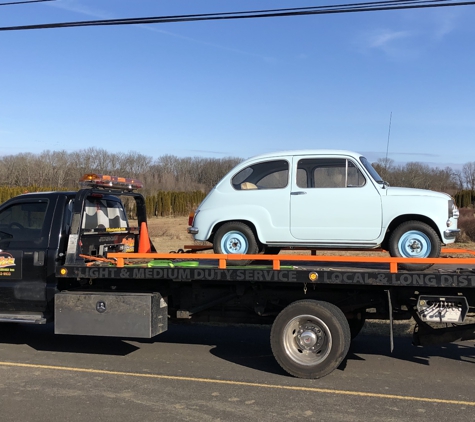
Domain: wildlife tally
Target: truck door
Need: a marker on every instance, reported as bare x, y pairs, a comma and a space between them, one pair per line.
24, 234
332, 201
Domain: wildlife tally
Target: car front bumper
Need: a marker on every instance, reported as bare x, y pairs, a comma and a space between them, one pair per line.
451, 233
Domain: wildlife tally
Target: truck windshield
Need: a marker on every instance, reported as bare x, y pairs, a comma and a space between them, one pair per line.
374, 174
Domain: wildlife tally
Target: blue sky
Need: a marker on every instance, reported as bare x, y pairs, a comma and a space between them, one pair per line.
240, 87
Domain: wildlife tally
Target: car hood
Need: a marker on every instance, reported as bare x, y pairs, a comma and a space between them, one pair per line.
395, 191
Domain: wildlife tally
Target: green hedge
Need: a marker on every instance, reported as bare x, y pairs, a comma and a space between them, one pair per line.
465, 198
166, 203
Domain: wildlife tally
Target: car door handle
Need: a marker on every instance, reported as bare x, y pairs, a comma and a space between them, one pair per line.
298, 193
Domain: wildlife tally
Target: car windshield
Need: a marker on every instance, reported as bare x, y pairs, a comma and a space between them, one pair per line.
374, 174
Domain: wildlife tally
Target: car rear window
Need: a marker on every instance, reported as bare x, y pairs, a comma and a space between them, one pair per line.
264, 175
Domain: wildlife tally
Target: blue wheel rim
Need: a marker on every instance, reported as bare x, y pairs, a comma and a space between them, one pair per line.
414, 244
234, 242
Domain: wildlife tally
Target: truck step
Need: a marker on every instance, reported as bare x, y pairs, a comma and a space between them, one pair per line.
23, 318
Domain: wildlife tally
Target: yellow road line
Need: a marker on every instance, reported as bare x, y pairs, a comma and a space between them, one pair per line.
241, 383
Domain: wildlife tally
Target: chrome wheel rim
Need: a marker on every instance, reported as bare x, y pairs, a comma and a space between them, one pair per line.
307, 340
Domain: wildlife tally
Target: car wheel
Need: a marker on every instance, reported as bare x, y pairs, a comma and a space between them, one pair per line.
235, 237
414, 239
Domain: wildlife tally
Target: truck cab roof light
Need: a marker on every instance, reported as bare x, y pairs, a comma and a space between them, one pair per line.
93, 180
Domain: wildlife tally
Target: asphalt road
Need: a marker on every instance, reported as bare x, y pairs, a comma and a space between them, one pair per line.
218, 373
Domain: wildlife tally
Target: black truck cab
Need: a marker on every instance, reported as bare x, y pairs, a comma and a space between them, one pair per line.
30, 237
39, 230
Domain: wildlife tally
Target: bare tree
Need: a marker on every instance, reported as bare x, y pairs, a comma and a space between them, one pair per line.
458, 179
468, 172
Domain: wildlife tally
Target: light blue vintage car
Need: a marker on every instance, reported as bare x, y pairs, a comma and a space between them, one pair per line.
321, 199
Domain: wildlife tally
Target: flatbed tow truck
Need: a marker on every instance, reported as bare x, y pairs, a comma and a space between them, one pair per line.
93, 274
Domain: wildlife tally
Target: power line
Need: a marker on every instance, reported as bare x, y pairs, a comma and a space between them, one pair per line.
12, 3
318, 10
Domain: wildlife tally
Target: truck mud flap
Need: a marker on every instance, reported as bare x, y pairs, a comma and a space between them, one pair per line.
139, 315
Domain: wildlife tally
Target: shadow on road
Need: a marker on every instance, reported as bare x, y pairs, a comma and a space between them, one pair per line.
404, 349
247, 346
42, 338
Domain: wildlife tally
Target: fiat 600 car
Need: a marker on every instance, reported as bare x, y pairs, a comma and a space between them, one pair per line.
321, 199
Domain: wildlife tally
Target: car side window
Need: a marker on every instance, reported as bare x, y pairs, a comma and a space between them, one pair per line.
355, 177
328, 173
23, 221
265, 175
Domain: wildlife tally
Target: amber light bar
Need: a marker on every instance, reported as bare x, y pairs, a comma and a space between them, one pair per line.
105, 181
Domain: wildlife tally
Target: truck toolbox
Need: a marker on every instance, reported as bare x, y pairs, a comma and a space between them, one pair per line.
142, 315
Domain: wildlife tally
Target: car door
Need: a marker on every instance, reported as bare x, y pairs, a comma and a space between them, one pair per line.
333, 201
23, 252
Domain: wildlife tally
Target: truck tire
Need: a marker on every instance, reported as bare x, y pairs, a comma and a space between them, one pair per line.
235, 237
310, 338
414, 239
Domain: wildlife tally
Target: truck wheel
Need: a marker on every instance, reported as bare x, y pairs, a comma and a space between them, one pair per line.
310, 338
414, 239
235, 237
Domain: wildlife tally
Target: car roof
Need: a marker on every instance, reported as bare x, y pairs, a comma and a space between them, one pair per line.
291, 153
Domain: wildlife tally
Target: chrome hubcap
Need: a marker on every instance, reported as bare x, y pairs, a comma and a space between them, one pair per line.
307, 340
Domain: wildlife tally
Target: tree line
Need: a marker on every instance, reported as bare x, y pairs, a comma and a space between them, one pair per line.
60, 170
423, 176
